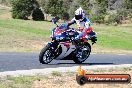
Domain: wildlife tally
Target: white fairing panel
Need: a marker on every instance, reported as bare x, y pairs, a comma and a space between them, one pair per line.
65, 51
71, 49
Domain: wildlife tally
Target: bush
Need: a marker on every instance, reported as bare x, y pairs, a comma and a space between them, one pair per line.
22, 9
37, 15
113, 19
65, 16
97, 19
118, 17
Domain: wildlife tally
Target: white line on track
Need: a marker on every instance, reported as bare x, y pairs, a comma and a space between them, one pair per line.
106, 53
121, 54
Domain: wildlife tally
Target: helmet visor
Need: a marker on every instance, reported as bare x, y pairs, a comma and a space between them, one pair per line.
77, 17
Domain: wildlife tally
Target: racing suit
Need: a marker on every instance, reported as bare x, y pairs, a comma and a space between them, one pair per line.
84, 27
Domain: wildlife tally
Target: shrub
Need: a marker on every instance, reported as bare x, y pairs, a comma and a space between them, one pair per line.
97, 19
22, 9
118, 17
37, 15
65, 16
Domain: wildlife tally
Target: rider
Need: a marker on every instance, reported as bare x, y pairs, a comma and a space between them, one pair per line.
83, 24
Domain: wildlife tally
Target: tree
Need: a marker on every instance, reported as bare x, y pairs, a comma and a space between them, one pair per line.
128, 4
57, 8
37, 15
74, 5
22, 9
66, 7
65, 16
86, 5
102, 9
53, 7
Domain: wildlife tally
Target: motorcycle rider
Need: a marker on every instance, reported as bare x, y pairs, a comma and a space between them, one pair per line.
84, 25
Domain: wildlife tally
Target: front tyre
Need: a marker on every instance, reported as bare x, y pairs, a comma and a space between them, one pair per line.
46, 55
82, 53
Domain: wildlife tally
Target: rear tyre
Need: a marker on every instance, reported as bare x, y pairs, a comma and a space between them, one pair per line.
46, 55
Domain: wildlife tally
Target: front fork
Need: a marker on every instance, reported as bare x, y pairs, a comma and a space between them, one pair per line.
54, 46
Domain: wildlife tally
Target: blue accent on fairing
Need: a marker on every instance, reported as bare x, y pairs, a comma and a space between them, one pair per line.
59, 36
81, 34
53, 30
92, 33
49, 43
86, 20
63, 26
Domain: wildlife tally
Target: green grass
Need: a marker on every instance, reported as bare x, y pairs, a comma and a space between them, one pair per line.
41, 29
19, 82
20, 34
116, 37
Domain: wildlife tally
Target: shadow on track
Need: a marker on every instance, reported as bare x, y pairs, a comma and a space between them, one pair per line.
82, 64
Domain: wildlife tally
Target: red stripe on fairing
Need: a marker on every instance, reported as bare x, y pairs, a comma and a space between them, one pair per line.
66, 44
88, 31
57, 32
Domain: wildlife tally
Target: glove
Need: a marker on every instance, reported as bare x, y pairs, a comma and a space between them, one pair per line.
77, 38
94, 39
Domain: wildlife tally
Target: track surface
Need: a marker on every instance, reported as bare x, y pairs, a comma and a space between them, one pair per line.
27, 61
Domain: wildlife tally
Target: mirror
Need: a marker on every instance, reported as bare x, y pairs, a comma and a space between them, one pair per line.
54, 20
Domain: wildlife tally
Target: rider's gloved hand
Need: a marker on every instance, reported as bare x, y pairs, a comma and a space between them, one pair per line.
94, 39
77, 38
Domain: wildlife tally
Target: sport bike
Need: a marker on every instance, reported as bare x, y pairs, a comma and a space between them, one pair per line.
64, 46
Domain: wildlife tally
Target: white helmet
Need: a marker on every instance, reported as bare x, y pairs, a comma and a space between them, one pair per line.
79, 14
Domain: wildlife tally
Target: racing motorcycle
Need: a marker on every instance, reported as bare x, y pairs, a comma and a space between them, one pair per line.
64, 46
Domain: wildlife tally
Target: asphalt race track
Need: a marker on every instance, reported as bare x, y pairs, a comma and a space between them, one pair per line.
27, 61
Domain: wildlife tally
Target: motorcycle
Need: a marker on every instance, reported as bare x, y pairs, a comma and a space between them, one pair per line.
64, 47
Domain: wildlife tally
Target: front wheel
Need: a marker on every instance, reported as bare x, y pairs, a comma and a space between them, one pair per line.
82, 53
46, 55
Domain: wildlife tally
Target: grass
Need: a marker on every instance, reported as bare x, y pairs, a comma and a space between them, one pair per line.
30, 36
23, 35
19, 82
67, 79
20, 35
116, 37
56, 73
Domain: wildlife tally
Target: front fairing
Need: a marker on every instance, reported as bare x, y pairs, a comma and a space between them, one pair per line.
56, 32
62, 35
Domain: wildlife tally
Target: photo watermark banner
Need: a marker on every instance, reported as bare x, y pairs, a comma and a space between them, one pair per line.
83, 78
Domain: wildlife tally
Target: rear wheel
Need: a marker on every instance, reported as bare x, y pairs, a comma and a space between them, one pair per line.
82, 53
46, 55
